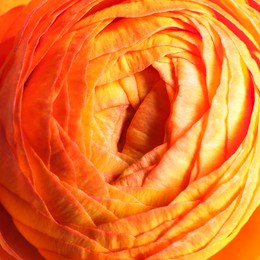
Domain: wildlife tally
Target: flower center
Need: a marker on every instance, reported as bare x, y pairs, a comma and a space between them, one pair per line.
131, 113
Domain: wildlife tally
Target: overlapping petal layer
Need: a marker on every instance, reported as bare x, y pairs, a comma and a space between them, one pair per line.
129, 129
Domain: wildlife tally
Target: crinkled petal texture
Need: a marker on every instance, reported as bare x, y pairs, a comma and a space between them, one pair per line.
130, 130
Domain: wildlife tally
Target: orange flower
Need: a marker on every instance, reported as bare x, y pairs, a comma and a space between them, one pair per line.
130, 129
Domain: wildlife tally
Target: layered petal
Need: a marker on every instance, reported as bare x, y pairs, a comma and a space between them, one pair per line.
129, 129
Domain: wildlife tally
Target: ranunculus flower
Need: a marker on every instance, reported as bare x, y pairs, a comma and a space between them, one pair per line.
130, 129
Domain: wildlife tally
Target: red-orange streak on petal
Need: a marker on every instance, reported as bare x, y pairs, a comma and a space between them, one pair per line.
14, 245
8, 31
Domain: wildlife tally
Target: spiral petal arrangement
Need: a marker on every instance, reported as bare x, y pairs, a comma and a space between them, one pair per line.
129, 129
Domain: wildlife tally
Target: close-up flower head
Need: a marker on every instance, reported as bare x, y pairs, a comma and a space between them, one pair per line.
129, 129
